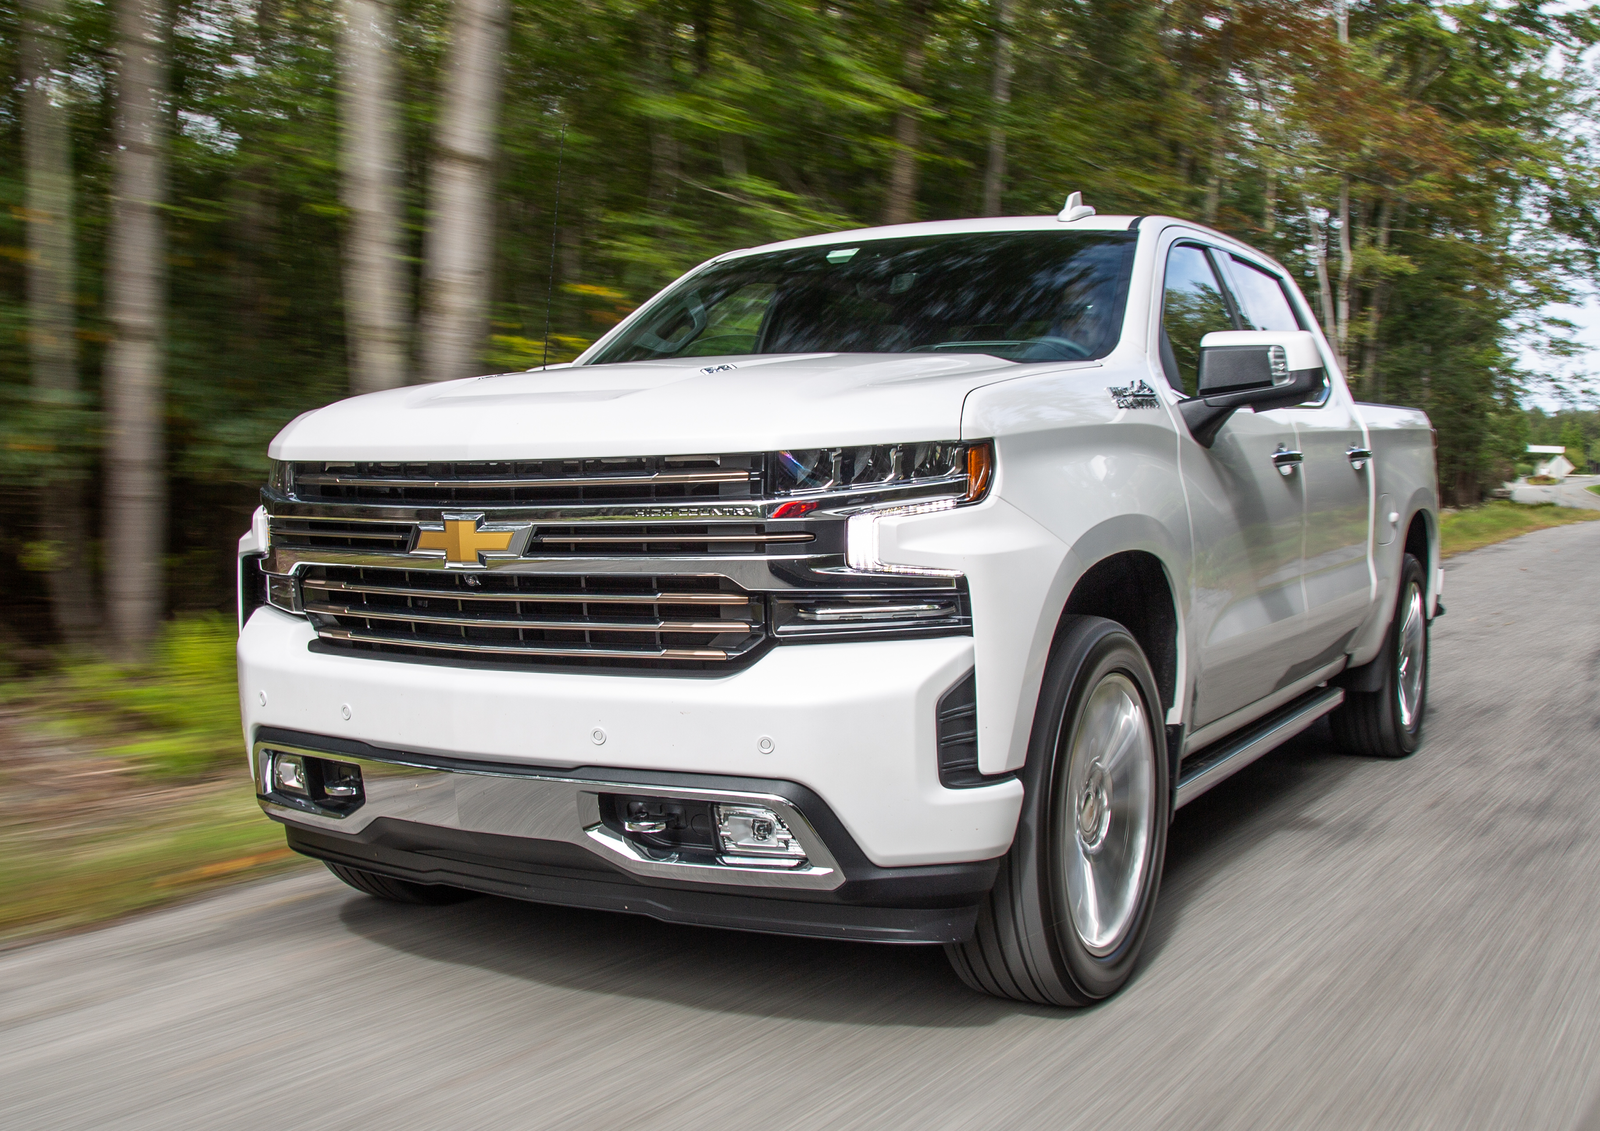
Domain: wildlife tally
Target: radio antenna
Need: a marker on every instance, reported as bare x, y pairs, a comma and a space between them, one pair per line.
550, 287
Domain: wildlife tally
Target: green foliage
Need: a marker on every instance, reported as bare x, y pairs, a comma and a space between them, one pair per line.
179, 711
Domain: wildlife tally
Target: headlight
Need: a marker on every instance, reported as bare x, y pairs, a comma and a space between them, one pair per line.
280, 477
947, 469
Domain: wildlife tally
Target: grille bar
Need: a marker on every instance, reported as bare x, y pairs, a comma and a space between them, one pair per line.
579, 651
606, 481
648, 480
672, 620
651, 540
574, 597
428, 618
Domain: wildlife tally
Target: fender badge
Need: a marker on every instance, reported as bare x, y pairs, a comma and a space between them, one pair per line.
723, 368
1136, 395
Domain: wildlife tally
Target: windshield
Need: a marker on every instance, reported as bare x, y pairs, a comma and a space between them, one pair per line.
1023, 296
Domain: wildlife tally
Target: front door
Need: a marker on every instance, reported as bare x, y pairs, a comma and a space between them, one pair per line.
1334, 479
1247, 608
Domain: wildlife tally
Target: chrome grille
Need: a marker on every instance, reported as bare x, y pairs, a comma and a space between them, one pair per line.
645, 479
657, 538
675, 621
360, 535
590, 540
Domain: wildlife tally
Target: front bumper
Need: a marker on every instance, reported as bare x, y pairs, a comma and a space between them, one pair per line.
838, 737
539, 835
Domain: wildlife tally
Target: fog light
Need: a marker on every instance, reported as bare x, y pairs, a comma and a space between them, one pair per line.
289, 775
750, 833
341, 781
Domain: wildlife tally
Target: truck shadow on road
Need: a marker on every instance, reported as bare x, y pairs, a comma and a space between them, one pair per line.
1267, 799
807, 979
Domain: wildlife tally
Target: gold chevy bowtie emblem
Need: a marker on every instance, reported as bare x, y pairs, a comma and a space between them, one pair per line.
462, 541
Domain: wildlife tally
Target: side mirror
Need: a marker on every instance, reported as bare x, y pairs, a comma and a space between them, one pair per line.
1263, 369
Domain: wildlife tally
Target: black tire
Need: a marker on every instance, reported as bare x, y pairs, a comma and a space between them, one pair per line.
398, 891
1374, 724
1027, 945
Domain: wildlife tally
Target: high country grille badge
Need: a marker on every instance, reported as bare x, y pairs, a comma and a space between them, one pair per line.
1136, 395
464, 540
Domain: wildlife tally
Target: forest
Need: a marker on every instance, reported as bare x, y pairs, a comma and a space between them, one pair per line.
222, 213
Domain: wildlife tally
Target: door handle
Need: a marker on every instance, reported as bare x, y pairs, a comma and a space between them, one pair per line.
1358, 457
1286, 461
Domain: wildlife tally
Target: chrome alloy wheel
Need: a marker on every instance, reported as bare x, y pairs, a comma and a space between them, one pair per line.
1412, 661
1105, 816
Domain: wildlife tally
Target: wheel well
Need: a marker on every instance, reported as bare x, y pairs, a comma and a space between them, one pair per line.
1417, 540
1131, 588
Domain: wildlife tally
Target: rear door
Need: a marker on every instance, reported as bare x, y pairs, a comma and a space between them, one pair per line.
1335, 478
1247, 609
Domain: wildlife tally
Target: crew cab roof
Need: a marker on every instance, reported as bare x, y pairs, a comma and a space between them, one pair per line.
944, 228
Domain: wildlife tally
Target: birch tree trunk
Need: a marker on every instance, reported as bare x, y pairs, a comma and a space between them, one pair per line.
900, 201
135, 286
52, 320
1319, 251
994, 175
1341, 297
369, 156
457, 253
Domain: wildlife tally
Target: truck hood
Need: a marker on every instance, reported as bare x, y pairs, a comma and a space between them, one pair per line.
733, 404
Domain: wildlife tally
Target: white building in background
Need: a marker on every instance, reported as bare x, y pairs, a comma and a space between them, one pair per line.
1556, 464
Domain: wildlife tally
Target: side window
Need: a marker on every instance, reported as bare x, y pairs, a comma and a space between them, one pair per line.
1262, 303
1192, 307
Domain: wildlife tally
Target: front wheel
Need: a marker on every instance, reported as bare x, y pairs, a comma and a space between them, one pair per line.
1387, 723
1073, 899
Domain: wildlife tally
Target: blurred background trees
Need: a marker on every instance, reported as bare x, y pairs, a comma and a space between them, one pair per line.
222, 213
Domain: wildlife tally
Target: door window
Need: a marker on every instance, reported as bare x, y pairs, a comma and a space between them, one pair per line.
1262, 303
1192, 307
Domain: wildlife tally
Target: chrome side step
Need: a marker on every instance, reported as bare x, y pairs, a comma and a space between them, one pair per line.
1228, 757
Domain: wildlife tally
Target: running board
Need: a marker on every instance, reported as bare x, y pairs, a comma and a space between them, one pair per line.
1231, 755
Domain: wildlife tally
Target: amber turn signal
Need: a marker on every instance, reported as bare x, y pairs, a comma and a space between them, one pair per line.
980, 469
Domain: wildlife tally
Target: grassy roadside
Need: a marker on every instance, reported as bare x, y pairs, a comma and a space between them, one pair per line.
124, 787
1498, 520
54, 879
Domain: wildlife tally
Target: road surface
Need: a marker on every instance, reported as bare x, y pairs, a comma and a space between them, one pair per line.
1340, 943
1573, 491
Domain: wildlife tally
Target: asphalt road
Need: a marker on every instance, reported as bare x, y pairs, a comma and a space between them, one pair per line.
1573, 491
1340, 943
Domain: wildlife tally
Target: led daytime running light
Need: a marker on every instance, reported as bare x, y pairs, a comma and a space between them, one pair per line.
861, 540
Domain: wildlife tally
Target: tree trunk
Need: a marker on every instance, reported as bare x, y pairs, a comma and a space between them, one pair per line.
1346, 268
52, 317
994, 176
1220, 89
1269, 211
457, 254
901, 200
1371, 374
1320, 251
370, 158
135, 285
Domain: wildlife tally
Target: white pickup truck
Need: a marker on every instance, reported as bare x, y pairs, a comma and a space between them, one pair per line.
895, 585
